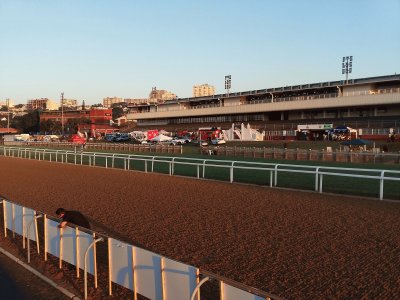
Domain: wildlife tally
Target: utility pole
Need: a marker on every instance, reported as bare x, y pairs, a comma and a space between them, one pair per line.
8, 114
62, 113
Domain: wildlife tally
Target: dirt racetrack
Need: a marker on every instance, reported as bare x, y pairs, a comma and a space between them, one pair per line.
298, 245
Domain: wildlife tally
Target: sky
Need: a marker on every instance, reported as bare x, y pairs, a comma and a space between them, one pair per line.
92, 49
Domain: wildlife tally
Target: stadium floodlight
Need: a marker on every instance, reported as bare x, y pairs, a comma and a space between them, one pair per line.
347, 66
228, 83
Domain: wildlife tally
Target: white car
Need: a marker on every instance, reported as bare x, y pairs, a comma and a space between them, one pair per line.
218, 142
177, 141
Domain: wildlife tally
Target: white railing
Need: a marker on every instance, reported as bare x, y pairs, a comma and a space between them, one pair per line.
202, 166
133, 267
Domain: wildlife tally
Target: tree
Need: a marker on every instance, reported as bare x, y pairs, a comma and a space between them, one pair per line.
28, 122
97, 105
72, 124
50, 126
117, 112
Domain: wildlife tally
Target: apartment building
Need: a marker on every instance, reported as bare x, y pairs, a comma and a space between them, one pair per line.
107, 102
42, 103
203, 90
136, 101
71, 103
161, 95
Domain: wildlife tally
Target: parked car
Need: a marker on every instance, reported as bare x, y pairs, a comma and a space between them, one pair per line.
109, 137
186, 139
136, 141
218, 142
122, 137
177, 141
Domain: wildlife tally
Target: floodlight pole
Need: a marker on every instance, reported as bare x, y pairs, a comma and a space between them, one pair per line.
347, 66
228, 83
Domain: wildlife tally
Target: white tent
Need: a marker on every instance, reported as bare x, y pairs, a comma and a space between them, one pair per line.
246, 133
161, 138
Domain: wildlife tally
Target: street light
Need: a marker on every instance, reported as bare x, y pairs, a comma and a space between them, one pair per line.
227, 83
347, 66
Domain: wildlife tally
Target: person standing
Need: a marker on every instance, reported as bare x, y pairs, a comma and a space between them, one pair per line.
73, 217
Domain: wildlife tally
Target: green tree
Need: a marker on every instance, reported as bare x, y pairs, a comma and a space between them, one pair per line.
72, 124
50, 126
28, 122
117, 112
97, 105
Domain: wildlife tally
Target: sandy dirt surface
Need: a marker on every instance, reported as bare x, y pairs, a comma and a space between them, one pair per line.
298, 245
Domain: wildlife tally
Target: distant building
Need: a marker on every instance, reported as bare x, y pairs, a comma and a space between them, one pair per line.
107, 102
136, 101
7, 102
357, 103
42, 103
203, 90
161, 95
91, 121
70, 103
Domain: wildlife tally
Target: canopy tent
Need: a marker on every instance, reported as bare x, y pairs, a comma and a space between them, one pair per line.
161, 138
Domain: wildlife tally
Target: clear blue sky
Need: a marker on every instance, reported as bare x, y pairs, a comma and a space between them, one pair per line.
91, 49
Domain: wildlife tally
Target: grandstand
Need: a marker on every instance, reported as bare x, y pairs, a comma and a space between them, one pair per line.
368, 103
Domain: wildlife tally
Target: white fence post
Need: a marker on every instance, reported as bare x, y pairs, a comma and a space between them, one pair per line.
382, 180
276, 175
316, 178
173, 165
320, 182
231, 172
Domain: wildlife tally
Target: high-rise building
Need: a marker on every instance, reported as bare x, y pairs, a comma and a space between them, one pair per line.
71, 103
203, 90
161, 95
42, 103
136, 101
107, 102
